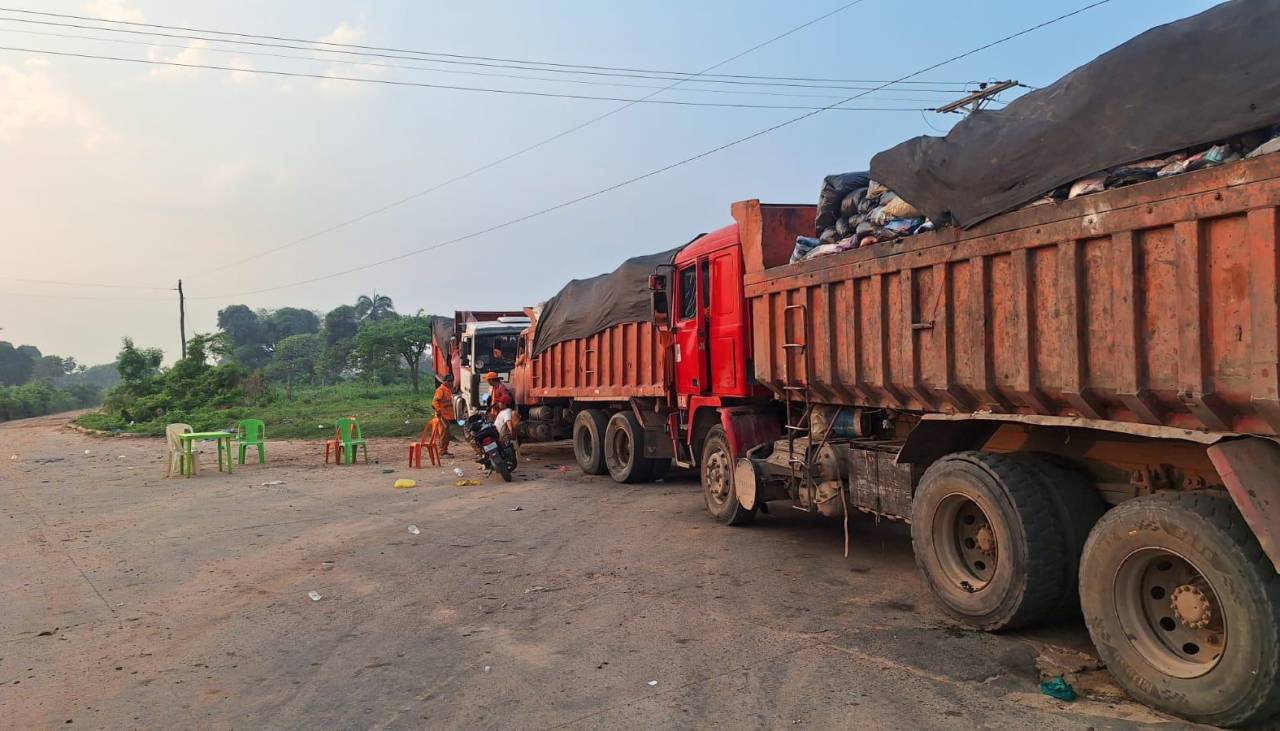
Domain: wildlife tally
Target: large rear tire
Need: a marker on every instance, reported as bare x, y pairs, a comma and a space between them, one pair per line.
1079, 507
989, 540
717, 481
588, 441
1184, 607
624, 449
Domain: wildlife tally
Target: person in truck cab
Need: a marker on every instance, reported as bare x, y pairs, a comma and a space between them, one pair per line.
442, 403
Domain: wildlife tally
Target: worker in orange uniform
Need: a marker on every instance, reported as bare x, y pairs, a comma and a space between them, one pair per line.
442, 403
502, 403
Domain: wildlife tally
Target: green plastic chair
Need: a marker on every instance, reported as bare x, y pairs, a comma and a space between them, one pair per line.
252, 433
352, 438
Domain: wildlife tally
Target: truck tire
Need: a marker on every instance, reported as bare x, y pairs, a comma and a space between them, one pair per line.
624, 449
989, 540
1079, 507
588, 441
717, 480
1184, 607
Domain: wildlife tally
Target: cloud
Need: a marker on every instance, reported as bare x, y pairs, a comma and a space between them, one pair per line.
244, 70
194, 53
347, 33
30, 104
113, 10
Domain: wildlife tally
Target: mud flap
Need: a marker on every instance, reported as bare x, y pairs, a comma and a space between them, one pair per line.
1249, 467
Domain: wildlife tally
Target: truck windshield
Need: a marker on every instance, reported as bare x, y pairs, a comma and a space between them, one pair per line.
496, 352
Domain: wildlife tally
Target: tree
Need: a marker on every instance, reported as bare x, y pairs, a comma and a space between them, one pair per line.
386, 341
16, 364
340, 326
294, 359
288, 321
245, 334
137, 365
375, 307
50, 368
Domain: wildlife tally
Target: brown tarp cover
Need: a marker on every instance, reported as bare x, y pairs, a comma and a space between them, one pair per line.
1191, 82
584, 307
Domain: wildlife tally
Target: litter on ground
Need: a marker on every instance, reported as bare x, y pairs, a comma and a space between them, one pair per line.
315, 595
1058, 688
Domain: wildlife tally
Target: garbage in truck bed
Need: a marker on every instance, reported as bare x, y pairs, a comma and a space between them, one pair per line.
870, 213
1187, 84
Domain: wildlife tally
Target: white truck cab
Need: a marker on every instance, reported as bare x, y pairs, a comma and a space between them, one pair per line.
485, 346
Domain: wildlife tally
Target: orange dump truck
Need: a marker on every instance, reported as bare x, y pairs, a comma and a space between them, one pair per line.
1071, 400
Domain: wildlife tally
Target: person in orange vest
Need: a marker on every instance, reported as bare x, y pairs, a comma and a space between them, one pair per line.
502, 405
442, 403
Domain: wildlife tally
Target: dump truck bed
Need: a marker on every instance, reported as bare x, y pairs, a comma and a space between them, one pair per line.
1156, 303
618, 363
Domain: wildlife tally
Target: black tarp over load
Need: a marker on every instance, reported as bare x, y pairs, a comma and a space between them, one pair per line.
584, 307
1178, 85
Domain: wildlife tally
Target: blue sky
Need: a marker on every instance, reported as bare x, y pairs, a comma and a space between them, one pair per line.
140, 175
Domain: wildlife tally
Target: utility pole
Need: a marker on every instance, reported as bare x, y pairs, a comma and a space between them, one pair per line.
975, 100
182, 318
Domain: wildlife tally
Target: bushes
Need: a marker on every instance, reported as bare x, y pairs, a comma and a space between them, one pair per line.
38, 399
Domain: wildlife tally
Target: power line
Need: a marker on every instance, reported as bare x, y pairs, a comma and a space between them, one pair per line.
423, 53
46, 295
82, 284
448, 87
528, 148
406, 67
731, 80
651, 173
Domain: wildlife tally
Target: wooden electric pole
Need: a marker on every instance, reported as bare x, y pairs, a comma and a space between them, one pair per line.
182, 319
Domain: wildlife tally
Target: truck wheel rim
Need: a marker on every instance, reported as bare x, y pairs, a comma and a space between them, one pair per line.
1170, 612
966, 544
621, 448
718, 477
586, 444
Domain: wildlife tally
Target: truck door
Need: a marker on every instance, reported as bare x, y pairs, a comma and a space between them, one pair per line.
724, 330
691, 328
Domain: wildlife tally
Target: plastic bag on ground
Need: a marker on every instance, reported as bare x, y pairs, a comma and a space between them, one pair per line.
875, 190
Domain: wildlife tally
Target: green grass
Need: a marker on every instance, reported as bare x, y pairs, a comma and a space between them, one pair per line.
310, 414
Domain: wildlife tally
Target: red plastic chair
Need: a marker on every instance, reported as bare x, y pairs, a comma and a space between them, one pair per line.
431, 442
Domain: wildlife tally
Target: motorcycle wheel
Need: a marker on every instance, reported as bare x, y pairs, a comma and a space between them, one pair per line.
501, 466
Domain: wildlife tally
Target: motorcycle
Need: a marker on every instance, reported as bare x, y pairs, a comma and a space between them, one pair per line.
496, 453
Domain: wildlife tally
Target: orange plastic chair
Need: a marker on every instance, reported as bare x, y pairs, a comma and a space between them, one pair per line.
431, 442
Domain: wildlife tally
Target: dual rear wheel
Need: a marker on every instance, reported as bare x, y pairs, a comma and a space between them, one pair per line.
1181, 602
614, 445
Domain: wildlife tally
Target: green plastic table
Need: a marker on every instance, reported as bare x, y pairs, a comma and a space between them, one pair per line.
207, 436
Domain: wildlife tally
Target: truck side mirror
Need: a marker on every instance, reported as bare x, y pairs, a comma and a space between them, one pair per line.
657, 283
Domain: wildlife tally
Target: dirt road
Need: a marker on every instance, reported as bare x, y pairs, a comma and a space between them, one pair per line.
557, 601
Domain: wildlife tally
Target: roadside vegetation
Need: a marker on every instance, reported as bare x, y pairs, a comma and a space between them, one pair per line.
35, 384
294, 369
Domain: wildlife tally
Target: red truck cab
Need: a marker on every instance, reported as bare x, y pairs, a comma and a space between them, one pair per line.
710, 317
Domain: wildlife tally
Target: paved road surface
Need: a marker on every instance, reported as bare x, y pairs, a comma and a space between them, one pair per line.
552, 602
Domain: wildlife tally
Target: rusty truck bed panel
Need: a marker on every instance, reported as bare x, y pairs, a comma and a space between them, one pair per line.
617, 363
1155, 303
